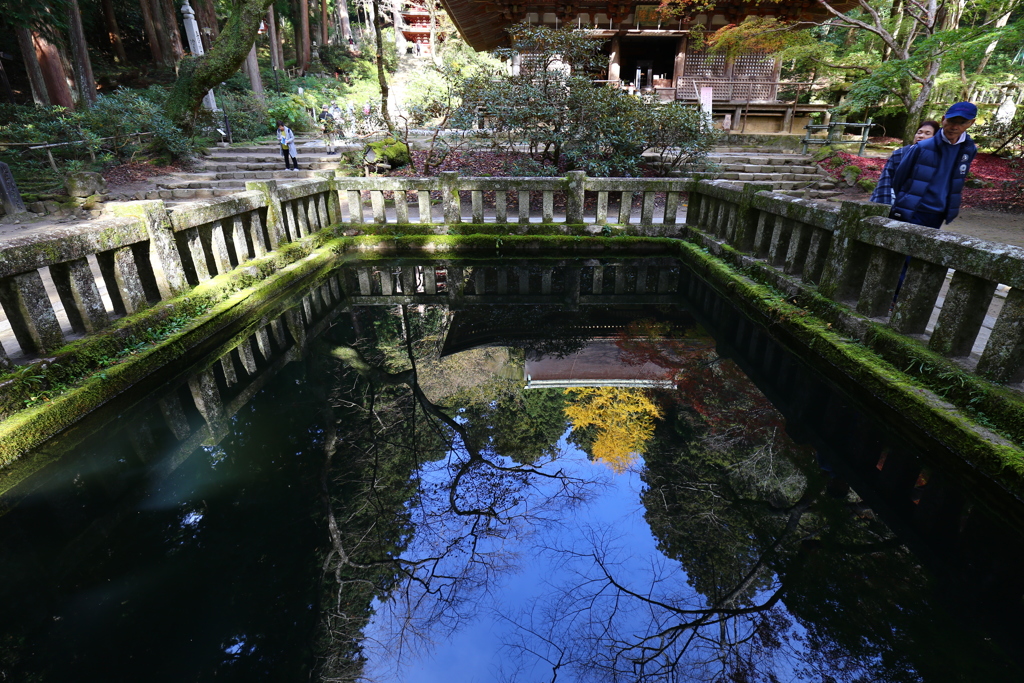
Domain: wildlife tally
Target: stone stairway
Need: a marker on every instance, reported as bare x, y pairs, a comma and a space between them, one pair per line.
225, 170
792, 174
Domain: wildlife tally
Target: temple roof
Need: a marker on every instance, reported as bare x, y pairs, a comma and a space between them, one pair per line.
482, 23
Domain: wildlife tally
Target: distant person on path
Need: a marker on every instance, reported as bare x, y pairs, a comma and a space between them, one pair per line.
287, 139
930, 178
883, 193
329, 125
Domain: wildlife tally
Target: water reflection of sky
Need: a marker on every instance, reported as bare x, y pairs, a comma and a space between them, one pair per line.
475, 652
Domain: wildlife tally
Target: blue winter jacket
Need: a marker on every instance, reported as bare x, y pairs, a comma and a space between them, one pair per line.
917, 171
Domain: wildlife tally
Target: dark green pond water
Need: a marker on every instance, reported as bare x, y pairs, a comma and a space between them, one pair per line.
590, 470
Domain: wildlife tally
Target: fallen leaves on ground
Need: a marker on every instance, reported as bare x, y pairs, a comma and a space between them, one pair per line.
1004, 179
135, 171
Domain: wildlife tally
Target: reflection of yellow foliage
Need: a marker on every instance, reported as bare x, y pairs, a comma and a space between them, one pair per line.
624, 419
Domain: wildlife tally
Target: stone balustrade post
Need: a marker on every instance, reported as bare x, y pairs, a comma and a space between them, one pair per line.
694, 199
30, 313
449, 182
574, 192
963, 312
275, 216
333, 197
745, 227
77, 289
456, 283
206, 395
163, 250
1003, 359
847, 262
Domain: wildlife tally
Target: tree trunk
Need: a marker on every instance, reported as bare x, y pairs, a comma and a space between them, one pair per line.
84, 80
1000, 23
296, 31
343, 22
206, 17
156, 11
174, 34
323, 22
53, 73
432, 8
32, 66
381, 76
272, 37
8, 93
916, 106
196, 75
304, 28
279, 43
252, 66
152, 36
396, 17
113, 32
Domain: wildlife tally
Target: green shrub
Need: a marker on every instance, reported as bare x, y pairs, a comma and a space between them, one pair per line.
132, 111
851, 170
563, 117
104, 129
393, 151
867, 184
249, 116
824, 153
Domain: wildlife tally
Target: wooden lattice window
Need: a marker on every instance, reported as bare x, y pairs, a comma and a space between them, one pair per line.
704, 65
754, 66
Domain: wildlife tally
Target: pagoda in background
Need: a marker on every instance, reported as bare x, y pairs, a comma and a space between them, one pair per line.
417, 27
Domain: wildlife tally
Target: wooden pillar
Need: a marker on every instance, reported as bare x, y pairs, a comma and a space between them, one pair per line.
680, 61
615, 59
776, 75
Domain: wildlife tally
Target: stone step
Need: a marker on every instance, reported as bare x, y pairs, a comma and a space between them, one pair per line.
758, 159
237, 183
241, 149
262, 175
186, 194
270, 166
810, 193
273, 155
785, 168
771, 177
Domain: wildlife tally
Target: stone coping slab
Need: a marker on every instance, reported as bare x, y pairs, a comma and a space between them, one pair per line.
61, 244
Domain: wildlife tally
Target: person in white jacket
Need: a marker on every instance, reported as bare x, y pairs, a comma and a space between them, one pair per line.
287, 139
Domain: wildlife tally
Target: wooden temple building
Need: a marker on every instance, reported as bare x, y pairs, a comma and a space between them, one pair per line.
416, 27
653, 54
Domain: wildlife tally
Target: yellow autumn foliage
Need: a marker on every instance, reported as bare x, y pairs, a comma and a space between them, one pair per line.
624, 419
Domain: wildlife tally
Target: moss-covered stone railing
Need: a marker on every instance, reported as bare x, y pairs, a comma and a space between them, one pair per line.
849, 252
146, 255
853, 254
488, 199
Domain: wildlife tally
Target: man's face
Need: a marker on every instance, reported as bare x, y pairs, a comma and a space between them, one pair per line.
953, 128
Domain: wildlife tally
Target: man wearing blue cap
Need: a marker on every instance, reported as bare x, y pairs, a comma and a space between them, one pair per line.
930, 178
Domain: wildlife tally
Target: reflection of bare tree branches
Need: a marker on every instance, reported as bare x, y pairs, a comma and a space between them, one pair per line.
604, 626
427, 522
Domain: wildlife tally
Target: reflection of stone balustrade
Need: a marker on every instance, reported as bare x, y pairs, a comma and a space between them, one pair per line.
242, 367
607, 282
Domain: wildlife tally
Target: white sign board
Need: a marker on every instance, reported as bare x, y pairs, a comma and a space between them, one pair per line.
705, 99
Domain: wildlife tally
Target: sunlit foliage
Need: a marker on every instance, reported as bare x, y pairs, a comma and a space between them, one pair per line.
624, 419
